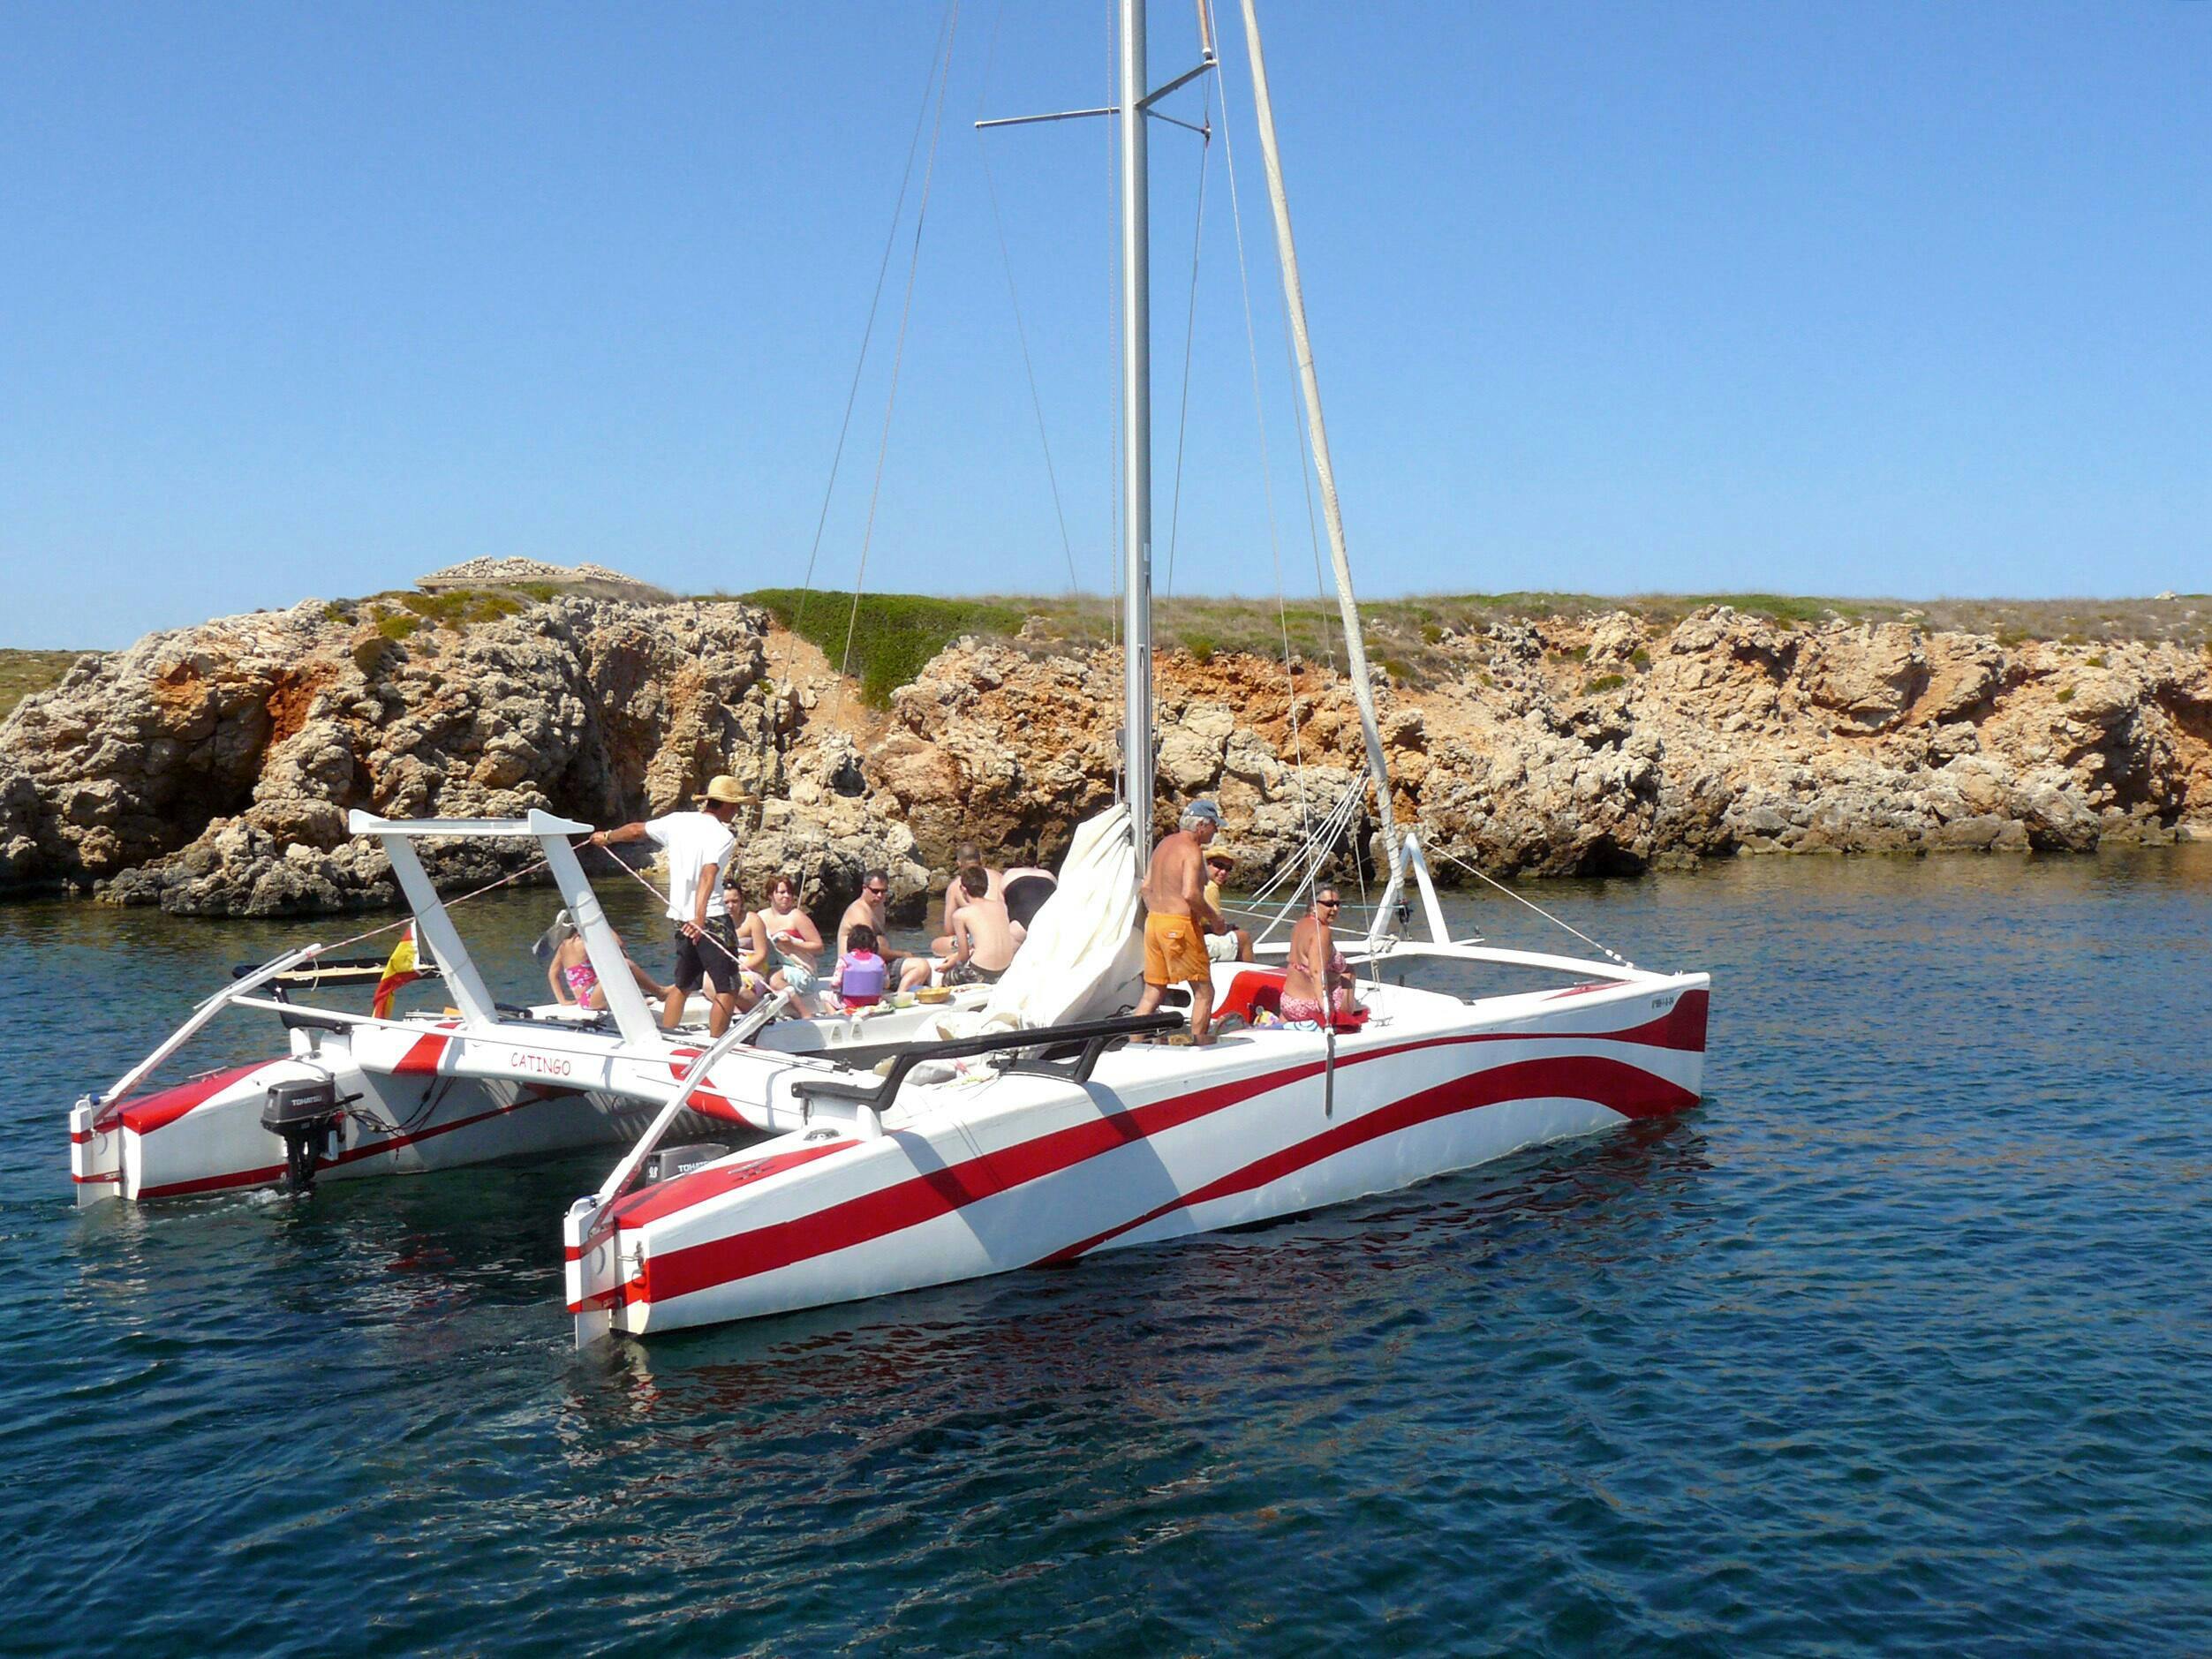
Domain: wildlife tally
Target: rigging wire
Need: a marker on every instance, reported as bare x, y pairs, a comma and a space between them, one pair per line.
941, 45
898, 356
1484, 876
1189, 334
1267, 482
1006, 261
1122, 780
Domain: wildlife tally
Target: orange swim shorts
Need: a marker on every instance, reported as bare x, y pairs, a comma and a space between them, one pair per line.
1174, 950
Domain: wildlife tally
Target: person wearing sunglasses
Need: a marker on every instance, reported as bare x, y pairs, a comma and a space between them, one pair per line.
871, 910
1317, 972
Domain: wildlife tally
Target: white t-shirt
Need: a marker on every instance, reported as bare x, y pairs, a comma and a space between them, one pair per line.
694, 840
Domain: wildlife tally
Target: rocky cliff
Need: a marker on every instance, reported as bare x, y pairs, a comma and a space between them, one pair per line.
208, 770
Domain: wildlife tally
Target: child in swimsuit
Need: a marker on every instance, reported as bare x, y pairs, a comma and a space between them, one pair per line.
861, 972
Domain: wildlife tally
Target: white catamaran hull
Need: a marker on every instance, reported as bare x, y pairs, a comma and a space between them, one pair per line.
969, 1179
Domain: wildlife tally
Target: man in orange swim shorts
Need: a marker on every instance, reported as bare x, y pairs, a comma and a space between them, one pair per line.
1177, 918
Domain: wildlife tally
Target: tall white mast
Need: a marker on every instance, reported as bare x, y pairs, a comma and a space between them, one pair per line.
1137, 430
1294, 304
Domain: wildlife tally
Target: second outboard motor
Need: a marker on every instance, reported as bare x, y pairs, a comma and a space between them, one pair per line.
304, 1111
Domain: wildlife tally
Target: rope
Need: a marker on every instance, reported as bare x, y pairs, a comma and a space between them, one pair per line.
1267, 473
1189, 334
1123, 786
1538, 908
852, 392
394, 927
666, 902
1005, 263
898, 358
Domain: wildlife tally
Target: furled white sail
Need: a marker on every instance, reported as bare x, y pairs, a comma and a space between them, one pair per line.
1084, 955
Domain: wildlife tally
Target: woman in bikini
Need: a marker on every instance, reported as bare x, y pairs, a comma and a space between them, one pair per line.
1317, 971
794, 941
573, 978
753, 953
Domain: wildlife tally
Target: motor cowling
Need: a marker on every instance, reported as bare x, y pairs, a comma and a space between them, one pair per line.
668, 1162
304, 1111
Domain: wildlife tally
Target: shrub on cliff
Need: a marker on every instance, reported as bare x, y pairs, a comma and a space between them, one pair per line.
893, 634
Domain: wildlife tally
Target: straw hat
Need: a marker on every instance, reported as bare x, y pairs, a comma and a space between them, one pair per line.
725, 791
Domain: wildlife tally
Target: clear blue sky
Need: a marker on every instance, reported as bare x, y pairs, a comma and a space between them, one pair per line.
1844, 298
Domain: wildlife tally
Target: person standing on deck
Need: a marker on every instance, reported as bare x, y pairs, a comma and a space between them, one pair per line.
1177, 918
700, 844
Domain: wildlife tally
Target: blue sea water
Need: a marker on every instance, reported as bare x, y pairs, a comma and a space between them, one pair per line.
1901, 1340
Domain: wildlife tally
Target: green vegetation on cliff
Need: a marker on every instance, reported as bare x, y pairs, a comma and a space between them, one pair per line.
24, 671
893, 634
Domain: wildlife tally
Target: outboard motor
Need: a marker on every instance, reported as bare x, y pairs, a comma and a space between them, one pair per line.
671, 1161
304, 1111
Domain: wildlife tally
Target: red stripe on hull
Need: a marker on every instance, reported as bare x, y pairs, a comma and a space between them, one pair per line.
423, 1055
159, 1109
271, 1174
1627, 1090
683, 1191
938, 1192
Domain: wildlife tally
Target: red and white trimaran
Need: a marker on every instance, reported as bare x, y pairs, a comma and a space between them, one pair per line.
806, 1162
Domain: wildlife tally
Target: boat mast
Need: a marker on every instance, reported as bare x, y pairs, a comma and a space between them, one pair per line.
1137, 433
1294, 304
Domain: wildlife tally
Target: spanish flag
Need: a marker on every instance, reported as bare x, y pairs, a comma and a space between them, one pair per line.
401, 969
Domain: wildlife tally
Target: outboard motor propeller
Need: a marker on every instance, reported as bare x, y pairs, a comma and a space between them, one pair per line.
304, 1111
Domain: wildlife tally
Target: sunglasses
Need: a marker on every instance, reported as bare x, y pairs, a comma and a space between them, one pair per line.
878, 890
1326, 904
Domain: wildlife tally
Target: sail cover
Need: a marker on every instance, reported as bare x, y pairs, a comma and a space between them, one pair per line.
1084, 954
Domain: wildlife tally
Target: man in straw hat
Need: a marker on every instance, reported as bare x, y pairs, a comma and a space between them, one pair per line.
1228, 942
700, 846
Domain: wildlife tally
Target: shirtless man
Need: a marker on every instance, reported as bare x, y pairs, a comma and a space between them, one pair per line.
869, 910
982, 938
1177, 918
968, 855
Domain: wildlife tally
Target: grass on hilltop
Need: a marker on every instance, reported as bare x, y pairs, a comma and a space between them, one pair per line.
896, 634
24, 671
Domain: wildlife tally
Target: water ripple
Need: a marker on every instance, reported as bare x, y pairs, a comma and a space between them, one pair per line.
1898, 1340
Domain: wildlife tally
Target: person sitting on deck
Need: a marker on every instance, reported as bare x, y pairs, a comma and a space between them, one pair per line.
1227, 943
753, 944
981, 945
1027, 888
871, 910
861, 973
572, 978
1317, 972
966, 856
1177, 918
794, 938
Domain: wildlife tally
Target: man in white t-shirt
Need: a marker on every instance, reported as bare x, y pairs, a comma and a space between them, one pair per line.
700, 846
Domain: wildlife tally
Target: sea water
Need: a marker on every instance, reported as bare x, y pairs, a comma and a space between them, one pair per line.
1901, 1339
